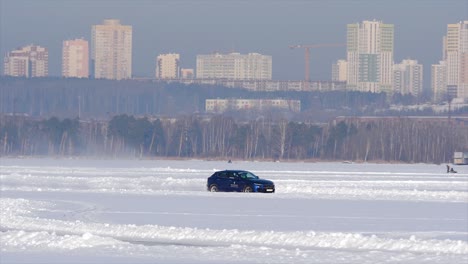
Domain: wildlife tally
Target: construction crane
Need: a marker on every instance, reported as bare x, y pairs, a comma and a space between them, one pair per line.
307, 54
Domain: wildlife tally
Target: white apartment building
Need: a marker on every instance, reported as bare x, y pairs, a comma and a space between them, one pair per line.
456, 56
167, 66
408, 77
234, 66
111, 50
370, 56
439, 81
75, 58
222, 105
28, 61
340, 71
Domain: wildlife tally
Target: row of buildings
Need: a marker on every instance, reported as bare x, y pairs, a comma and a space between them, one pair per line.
222, 105
407, 77
233, 66
369, 65
110, 57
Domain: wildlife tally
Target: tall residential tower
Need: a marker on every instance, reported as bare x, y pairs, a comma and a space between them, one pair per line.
450, 77
370, 56
439, 81
456, 55
408, 78
75, 58
111, 50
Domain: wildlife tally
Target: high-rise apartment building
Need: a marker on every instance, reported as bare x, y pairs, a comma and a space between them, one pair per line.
75, 58
370, 56
111, 50
167, 66
340, 71
456, 56
408, 78
439, 81
29, 61
234, 66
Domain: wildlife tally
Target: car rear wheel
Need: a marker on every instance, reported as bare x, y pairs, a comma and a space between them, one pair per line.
214, 188
248, 189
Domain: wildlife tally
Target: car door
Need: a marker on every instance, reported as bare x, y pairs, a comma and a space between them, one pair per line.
233, 179
223, 181
242, 181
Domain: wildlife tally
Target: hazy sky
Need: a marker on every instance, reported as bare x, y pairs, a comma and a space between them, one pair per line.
192, 27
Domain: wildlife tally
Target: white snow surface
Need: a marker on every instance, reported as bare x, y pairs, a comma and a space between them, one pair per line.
158, 211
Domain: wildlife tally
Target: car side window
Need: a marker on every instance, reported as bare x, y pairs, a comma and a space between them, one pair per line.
223, 175
232, 175
251, 176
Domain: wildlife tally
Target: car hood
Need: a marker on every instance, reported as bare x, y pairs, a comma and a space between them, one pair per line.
261, 181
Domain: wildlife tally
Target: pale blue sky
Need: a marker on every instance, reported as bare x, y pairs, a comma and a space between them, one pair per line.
192, 27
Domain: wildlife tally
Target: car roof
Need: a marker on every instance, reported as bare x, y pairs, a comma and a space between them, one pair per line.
233, 171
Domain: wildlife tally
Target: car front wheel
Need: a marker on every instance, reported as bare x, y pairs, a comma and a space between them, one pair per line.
214, 188
248, 189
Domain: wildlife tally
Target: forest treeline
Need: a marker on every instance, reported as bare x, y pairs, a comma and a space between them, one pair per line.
355, 139
103, 99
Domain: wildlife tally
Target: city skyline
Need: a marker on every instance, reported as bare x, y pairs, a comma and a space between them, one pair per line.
166, 27
369, 66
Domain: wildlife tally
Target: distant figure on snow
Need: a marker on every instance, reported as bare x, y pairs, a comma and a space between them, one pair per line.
448, 168
452, 171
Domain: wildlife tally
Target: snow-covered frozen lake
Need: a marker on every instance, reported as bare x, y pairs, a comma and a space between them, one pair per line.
158, 211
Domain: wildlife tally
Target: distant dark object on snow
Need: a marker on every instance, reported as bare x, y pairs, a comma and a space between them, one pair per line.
450, 170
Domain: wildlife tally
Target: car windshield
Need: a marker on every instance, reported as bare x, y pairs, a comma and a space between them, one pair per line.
247, 175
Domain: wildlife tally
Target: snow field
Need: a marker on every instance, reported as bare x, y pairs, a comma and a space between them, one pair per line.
143, 212
193, 236
308, 184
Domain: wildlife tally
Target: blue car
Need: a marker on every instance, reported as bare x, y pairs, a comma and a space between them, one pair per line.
238, 181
